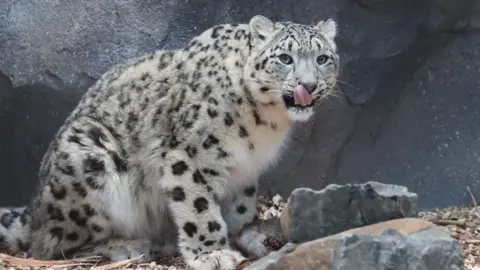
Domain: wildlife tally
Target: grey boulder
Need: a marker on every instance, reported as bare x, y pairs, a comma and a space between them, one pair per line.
310, 214
401, 244
392, 250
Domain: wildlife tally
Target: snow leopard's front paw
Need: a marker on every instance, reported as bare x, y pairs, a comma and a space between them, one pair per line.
259, 238
223, 259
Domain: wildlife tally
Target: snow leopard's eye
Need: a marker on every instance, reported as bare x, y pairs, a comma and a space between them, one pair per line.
322, 59
285, 58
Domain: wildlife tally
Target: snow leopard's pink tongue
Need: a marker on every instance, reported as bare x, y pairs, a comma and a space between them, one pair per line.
301, 96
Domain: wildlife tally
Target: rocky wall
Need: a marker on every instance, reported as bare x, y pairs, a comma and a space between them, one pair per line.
407, 113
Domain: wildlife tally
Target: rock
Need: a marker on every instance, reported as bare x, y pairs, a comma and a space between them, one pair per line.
311, 214
273, 258
402, 244
395, 251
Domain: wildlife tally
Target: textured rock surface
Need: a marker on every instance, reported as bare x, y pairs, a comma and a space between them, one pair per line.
391, 250
403, 244
410, 77
311, 214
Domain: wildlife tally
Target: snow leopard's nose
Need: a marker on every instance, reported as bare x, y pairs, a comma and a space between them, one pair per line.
310, 86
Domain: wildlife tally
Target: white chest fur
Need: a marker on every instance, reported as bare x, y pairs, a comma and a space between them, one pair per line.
263, 146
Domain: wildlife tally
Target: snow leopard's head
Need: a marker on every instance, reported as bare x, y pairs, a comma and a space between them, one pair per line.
292, 63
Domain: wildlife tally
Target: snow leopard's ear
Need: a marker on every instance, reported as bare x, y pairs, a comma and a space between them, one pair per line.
261, 29
328, 29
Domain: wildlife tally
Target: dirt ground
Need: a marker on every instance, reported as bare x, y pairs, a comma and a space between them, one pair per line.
464, 225
462, 221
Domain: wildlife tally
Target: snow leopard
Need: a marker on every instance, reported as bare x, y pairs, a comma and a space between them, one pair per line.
163, 153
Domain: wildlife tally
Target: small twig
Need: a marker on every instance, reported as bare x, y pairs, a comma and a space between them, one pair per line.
445, 222
472, 241
40, 263
473, 197
242, 264
475, 209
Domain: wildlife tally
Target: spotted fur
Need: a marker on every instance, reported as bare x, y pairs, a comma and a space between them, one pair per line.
163, 152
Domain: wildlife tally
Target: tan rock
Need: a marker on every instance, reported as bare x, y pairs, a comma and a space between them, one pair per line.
318, 254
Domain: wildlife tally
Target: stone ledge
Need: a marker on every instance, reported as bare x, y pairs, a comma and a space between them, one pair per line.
326, 253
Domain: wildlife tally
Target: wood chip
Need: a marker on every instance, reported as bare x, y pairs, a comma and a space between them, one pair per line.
463, 222
242, 265
21, 262
444, 222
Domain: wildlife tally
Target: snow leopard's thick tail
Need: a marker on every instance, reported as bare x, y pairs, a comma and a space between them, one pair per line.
14, 229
